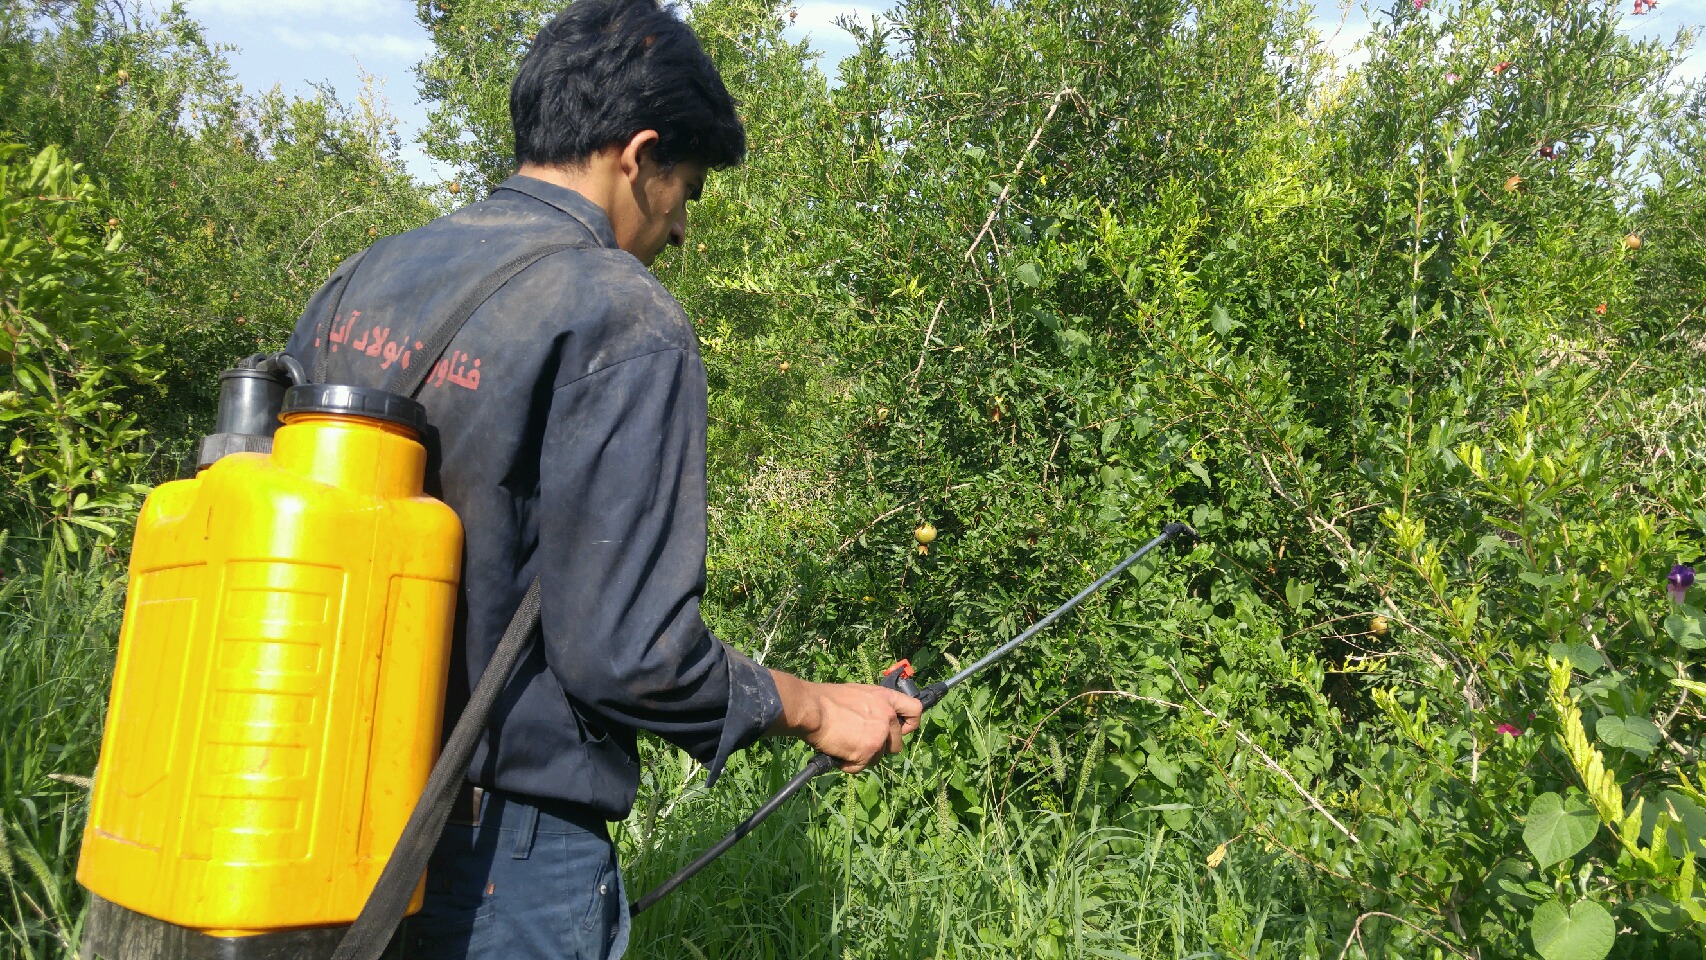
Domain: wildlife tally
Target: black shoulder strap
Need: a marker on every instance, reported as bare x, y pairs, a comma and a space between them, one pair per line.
408, 382
372, 930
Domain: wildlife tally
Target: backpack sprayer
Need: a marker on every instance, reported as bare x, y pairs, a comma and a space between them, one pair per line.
267, 788
897, 677
279, 688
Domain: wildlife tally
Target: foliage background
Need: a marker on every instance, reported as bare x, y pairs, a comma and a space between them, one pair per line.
1416, 347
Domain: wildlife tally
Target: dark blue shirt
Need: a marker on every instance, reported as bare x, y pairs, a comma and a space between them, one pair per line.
569, 418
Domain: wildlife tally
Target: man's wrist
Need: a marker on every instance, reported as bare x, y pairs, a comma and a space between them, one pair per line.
802, 712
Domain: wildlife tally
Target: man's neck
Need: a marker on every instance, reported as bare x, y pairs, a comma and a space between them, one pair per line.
598, 179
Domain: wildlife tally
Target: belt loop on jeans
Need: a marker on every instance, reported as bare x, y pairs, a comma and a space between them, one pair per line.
524, 836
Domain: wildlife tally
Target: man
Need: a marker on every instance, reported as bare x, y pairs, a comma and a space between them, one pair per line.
570, 430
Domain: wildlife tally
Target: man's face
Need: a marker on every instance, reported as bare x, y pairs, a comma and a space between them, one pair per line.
659, 215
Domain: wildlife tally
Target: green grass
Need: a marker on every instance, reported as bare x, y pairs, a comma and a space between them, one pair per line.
887, 865
59, 618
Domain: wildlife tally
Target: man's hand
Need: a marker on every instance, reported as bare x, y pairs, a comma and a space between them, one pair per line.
853, 722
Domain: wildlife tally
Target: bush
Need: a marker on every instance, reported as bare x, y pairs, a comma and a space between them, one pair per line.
234, 207
70, 352
1415, 346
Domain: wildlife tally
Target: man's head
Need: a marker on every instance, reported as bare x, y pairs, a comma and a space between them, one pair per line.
621, 92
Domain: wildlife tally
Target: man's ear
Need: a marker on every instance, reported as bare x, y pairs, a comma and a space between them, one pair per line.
636, 151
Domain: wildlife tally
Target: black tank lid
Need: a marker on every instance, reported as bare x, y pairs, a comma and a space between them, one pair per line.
354, 401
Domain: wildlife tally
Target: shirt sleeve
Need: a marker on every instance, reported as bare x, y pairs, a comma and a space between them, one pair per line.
622, 561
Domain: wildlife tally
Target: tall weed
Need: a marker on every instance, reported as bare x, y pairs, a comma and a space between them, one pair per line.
934, 854
59, 617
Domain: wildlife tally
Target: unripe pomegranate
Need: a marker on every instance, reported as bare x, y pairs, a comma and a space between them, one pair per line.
925, 533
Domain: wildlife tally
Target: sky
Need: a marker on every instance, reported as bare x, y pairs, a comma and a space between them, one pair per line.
297, 43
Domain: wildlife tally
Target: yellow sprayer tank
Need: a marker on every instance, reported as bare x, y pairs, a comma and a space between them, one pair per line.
279, 691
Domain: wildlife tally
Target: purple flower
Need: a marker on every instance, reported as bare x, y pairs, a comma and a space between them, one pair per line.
1418, 4
1680, 579
1508, 730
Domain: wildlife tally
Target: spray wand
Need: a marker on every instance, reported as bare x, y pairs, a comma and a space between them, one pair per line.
897, 677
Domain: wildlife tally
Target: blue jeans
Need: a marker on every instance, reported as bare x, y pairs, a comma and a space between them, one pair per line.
533, 881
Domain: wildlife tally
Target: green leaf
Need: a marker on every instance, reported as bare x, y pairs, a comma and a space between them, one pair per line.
1558, 827
1684, 627
1661, 913
1688, 828
1180, 819
1582, 656
1692, 686
95, 525
868, 791
1165, 771
1221, 321
1628, 733
1583, 932
1028, 274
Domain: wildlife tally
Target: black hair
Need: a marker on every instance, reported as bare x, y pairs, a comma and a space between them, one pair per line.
604, 70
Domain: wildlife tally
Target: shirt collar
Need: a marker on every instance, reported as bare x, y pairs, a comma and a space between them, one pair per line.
590, 215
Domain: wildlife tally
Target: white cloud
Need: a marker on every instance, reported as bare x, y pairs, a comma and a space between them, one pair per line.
375, 46
816, 23
352, 11
819, 16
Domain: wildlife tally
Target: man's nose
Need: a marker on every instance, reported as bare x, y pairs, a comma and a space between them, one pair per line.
677, 234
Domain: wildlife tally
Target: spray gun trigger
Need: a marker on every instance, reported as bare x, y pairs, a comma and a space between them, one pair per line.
899, 677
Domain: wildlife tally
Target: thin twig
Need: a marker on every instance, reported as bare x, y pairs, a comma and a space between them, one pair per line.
1356, 934
775, 624
1019, 168
681, 791
1245, 739
994, 211
1263, 754
929, 331
315, 233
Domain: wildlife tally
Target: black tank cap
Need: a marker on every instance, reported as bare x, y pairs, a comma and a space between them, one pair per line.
354, 401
